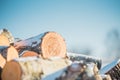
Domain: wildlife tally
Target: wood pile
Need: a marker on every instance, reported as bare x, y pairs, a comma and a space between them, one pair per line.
113, 69
48, 44
44, 57
31, 68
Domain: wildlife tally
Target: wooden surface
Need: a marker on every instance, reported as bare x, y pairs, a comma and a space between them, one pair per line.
4, 41
48, 44
32, 68
28, 54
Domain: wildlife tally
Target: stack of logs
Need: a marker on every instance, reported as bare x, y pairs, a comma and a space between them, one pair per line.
113, 69
39, 56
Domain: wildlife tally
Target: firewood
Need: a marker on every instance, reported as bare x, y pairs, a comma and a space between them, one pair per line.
4, 41
12, 53
8, 35
28, 54
2, 64
112, 69
48, 44
0, 73
96, 73
2, 61
9, 53
85, 58
31, 68
82, 71
78, 71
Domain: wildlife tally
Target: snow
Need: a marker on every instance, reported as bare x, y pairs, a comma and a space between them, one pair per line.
86, 58
109, 66
33, 41
89, 69
81, 55
54, 75
24, 59
55, 58
75, 65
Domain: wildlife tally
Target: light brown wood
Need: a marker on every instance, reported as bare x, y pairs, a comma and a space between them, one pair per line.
4, 41
8, 35
31, 68
12, 53
2, 61
11, 71
53, 45
9, 53
48, 44
96, 73
29, 53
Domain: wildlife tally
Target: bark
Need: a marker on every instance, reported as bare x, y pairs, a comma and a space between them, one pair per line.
48, 44
85, 58
115, 72
9, 52
32, 68
2, 61
8, 35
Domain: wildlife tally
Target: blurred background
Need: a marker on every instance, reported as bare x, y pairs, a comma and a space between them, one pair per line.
90, 27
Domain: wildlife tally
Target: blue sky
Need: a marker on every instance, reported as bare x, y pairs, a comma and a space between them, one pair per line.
83, 23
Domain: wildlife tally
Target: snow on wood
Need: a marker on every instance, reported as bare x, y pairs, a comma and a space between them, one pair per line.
8, 35
113, 69
31, 68
106, 68
44, 57
48, 44
81, 71
85, 58
33, 41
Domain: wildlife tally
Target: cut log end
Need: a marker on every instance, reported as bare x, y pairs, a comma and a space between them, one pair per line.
48, 44
4, 41
11, 71
2, 61
29, 53
53, 45
12, 53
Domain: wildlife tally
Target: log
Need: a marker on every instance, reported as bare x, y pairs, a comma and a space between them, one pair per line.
85, 58
32, 68
2, 61
82, 71
48, 44
8, 35
28, 54
112, 69
12, 53
78, 71
99, 76
4, 41
0, 73
9, 53
2, 64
